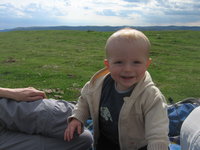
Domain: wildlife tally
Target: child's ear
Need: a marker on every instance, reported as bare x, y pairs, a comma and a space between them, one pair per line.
106, 63
149, 60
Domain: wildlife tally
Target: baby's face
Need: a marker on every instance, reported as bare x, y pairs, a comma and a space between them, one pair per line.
127, 63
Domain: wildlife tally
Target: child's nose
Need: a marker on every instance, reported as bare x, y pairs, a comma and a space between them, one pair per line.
128, 67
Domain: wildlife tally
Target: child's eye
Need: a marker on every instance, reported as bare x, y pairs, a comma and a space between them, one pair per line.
137, 62
118, 62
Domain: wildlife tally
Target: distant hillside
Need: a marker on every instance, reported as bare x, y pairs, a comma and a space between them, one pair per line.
105, 28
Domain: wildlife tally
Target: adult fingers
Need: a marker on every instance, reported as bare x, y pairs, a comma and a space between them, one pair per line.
36, 94
34, 98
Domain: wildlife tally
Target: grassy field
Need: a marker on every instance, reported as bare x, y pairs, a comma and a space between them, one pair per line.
61, 62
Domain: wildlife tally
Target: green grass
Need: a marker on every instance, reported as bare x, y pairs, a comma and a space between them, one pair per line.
65, 60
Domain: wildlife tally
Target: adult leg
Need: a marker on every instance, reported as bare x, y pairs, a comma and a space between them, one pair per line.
13, 140
47, 117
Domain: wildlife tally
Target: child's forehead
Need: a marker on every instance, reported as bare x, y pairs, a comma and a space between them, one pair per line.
122, 48
127, 41
124, 45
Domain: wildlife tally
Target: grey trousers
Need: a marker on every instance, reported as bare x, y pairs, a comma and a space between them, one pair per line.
38, 125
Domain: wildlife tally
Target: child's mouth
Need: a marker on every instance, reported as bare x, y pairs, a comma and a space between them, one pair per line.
127, 77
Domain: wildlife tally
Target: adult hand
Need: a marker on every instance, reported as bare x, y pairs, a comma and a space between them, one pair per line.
23, 94
74, 125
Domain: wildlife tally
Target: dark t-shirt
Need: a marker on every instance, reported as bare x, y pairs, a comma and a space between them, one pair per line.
110, 106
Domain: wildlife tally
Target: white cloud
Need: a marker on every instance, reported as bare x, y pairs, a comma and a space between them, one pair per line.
99, 12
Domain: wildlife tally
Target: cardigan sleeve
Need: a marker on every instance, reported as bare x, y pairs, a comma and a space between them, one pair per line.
156, 122
81, 111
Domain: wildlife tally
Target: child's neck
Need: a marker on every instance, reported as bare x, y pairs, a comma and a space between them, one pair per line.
125, 91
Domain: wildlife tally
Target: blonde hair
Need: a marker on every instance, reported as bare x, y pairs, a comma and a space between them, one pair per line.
130, 35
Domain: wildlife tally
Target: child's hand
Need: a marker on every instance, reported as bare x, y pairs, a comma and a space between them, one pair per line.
74, 125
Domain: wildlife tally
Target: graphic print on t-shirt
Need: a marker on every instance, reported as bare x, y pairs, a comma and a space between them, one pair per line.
105, 113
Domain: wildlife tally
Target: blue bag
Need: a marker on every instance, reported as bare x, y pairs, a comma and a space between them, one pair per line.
177, 113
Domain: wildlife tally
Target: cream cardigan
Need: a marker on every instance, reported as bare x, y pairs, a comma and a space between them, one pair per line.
143, 117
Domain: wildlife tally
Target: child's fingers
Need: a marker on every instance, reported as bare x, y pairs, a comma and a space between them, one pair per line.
71, 132
79, 129
67, 134
73, 126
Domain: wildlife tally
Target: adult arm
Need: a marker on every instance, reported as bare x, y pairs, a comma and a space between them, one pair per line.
22, 94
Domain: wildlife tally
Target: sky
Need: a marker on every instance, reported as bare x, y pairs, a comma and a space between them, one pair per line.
26, 13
